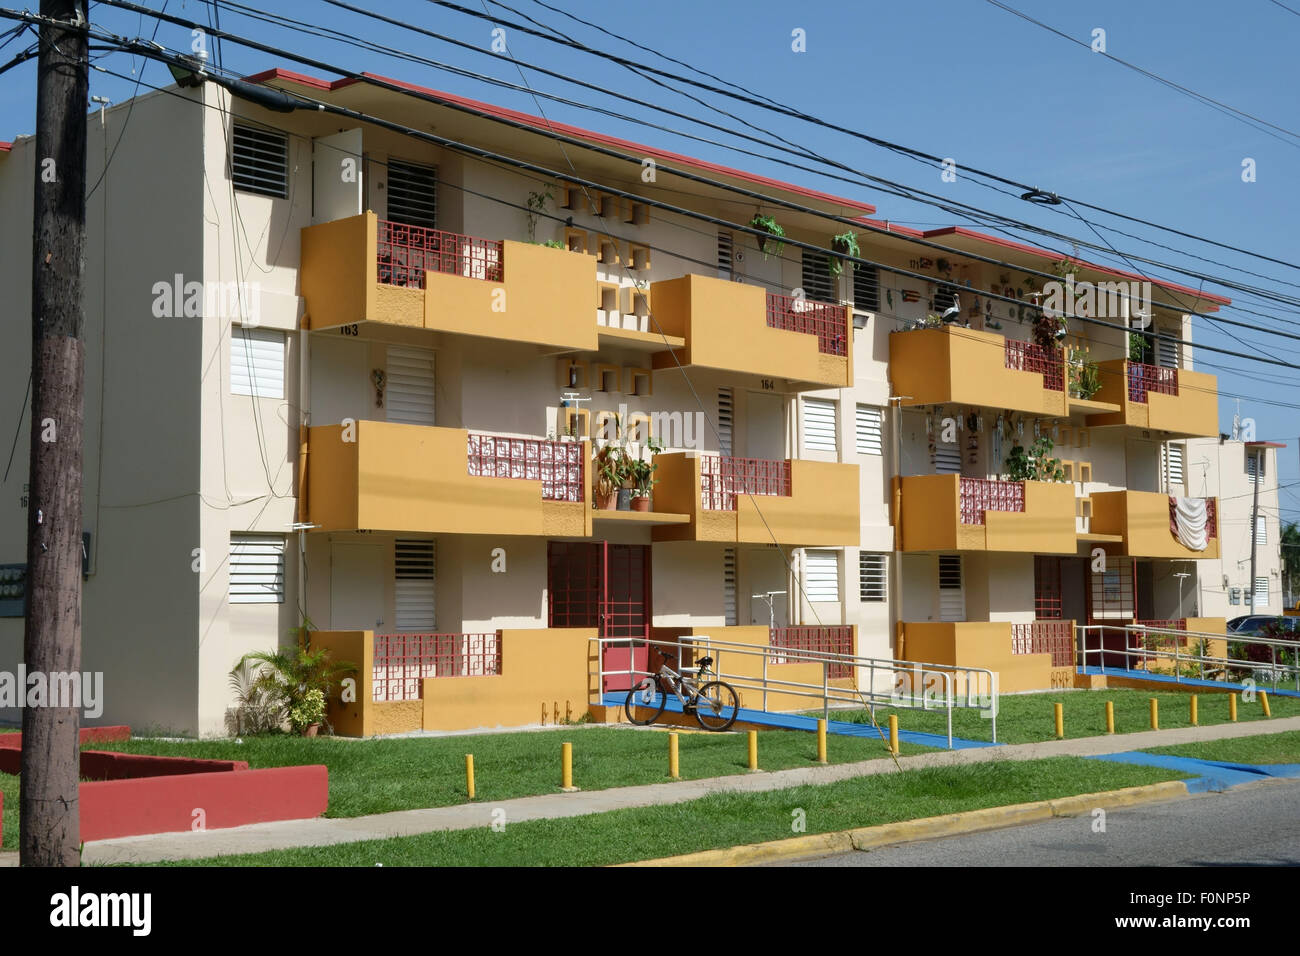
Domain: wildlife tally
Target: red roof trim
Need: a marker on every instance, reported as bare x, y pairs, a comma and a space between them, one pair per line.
487, 109
1265, 444
1034, 250
5, 147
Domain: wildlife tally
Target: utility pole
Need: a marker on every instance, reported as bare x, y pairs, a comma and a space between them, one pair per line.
1254, 517
51, 831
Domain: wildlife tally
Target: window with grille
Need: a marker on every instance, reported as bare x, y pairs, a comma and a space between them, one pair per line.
946, 458
1174, 464
1260, 523
870, 430
414, 568
412, 194
819, 430
256, 569
821, 578
726, 252
945, 297
726, 405
866, 289
1261, 592
256, 362
1167, 352
872, 580
952, 596
729, 587
259, 161
817, 282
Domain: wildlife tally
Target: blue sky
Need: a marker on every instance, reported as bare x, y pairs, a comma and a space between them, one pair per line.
957, 78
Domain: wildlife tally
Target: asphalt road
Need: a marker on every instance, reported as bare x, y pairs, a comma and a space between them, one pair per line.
1256, 824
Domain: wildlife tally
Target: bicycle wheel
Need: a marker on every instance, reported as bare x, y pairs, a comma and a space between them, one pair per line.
716, 705
645, 701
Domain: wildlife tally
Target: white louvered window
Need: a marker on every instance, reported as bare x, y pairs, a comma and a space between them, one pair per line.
259, 161
408, 389
1261, 592
256, 569
729, 587
816, 279
1167, 352
414, 566
1261, 529
946, 458
256, 362
866, 289
819, 431
726, 252
821, 578
412, 194
952, 596
1254, 466
945, 297
726, 416
870, 430
1174, 464
872, 576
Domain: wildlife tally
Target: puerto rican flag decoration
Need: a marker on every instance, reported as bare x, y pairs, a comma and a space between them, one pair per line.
910, 295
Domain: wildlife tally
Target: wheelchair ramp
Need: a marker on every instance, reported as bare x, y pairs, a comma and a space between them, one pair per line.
1168, 682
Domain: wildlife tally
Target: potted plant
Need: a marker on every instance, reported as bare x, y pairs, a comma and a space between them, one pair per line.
642, 473
610, 468
297, 683
847, 243
1085, 377
1034, 464
773, 246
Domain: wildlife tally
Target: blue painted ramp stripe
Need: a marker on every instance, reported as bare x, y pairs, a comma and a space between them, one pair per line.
1211, 775
1185, 682
840, 728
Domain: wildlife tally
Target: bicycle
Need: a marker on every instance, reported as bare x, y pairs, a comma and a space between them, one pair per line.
714, 703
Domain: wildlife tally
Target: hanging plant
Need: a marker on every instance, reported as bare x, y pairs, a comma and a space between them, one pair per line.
847, 243
769, 247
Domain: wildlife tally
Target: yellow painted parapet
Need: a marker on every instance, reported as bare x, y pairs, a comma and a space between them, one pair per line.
822, 509
416, 478
966, 367
931, 519
1193, 411
544, 677
725, 327
362, 716
748, 668
1142, 518
544, 298
984, 644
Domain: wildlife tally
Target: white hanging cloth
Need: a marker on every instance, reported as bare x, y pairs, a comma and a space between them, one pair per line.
1189, 522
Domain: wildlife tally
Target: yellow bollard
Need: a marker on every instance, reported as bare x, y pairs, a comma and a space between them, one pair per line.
1193, 710
672, 756
821, 740
1232, 707
753, 750
893, 734
1263, 699
566, 766
1058, 712
1155, 714
469, 775
1110, 717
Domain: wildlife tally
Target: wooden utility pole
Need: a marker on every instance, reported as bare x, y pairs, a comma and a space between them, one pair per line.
50, 830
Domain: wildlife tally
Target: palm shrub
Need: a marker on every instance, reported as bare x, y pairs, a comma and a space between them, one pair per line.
296, 683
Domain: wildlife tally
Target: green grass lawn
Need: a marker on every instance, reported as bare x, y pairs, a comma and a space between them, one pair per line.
1027, 718
1266, 748
726, 819
9, 835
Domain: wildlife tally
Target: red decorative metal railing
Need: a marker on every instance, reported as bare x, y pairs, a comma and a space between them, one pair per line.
1030, 357
403, 660
406, 253
723, 478
1047, 587
557, 465
827, 321
1045, 637
1211, 517
1150, 378
824, 639
979, 495
1168, 624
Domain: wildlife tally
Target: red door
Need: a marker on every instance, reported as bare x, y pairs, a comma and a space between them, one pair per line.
605, 586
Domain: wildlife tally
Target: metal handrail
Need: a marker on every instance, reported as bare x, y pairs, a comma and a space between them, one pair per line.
1180, 657
980, 684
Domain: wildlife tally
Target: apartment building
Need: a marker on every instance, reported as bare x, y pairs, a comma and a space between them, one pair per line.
342, 376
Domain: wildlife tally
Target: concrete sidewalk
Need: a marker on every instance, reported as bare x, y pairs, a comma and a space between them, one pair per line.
260, 837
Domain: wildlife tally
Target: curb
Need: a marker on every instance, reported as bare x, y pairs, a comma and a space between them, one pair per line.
927, 828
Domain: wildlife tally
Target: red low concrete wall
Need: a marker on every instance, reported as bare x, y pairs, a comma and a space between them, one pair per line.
88, 735
117, 808
109, 765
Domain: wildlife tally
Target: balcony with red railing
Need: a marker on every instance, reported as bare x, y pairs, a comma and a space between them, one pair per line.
1045, 637
949, 512
979, 495
1143, 379
405, 253
825, 320
1154, 397
1147, 523
1031, 357
559, 466
724, 478
402, 661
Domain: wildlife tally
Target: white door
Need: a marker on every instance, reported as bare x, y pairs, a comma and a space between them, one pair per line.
765, 426
336, 176
765, 572
1143, 461
356, 587
409, 387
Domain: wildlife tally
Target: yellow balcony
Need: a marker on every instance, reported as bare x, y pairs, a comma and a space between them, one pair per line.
753, 501
379, 476
961, 366
1012, 651
1142, 520
1152, 398
743, 328
952, 513
362, 269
